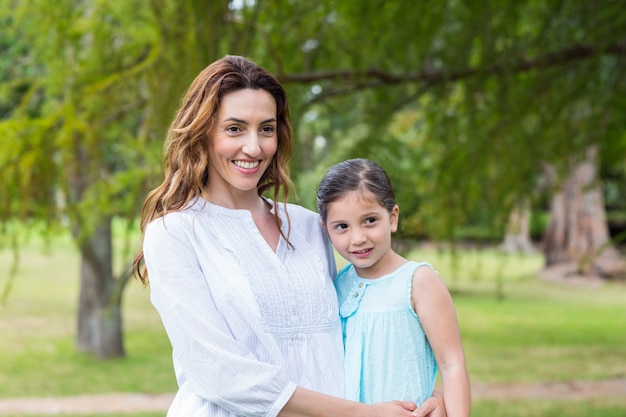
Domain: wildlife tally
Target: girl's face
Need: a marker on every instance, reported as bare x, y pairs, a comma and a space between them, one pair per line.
243, 141
360, 230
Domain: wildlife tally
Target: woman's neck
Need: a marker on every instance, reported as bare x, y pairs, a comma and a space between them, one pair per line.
242, 201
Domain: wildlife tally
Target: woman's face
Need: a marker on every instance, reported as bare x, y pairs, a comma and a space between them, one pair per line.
243, 141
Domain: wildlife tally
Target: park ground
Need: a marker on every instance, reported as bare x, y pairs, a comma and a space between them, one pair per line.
120, 403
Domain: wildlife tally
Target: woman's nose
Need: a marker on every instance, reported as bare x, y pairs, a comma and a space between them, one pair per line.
252, 146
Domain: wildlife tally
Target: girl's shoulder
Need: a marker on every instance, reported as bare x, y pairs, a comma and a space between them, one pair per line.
422, 265
426, 282
422, 273
423, 269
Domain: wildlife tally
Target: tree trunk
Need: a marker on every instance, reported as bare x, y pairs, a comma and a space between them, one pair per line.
99, 307
578, 234
517, 237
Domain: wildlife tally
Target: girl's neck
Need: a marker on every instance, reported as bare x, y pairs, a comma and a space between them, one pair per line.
385, 266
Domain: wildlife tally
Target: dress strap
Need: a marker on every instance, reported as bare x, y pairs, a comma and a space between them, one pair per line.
409, 280
414, 267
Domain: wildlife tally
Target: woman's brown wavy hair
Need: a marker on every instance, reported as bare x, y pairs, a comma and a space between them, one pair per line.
186, 156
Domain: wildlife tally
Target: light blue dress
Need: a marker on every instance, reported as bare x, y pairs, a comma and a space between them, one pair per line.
387, 354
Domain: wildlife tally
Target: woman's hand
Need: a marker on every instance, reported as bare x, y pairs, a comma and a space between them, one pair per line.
394, 409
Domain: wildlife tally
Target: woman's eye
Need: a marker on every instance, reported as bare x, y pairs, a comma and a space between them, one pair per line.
268, 130
233, 129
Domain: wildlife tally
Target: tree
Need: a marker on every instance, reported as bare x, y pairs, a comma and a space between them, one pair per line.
577, 237
517, 235
77, 150
463, 102
500, 92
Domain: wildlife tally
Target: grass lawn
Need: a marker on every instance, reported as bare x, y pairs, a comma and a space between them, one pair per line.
613, 407
515, 327
518, 327
38, 326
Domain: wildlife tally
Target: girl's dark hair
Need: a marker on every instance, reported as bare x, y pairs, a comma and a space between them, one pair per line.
350, 175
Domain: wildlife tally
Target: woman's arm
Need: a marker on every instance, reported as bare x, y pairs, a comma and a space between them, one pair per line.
433, 304
306, 403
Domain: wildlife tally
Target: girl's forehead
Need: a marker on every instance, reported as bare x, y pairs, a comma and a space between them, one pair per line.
360, 196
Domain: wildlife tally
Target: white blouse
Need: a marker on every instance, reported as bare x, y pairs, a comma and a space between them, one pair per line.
246, 324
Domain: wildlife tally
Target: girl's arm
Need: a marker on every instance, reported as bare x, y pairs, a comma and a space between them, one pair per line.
432, 407
433, 304
307, 403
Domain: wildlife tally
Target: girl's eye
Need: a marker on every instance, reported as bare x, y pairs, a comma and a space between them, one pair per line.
341, 226
370, 220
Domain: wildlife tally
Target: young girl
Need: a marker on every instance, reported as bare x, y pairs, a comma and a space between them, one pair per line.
398, 319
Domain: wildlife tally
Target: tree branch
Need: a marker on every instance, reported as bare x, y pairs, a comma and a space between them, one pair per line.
376, 78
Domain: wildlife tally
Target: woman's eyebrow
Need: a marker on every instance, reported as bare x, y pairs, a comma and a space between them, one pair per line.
237, 120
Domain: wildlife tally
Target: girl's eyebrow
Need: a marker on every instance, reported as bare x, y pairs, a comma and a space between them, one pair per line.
336, 222
372, 214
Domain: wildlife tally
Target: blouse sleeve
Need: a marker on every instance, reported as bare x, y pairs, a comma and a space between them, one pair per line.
330, 255
218, 368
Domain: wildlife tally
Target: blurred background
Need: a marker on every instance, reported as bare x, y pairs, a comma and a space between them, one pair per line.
502, 125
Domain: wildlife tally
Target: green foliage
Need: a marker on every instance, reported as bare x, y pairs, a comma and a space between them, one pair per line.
494, 93
462, 102
84, 142
62, 142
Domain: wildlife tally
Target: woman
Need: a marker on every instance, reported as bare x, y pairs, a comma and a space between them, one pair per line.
243, 283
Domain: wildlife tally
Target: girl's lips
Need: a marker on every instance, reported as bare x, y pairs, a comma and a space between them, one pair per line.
362, 253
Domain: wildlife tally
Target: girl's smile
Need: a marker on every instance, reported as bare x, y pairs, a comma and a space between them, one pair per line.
363, 253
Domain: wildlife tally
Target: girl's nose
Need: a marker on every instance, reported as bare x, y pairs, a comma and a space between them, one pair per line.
358, 237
